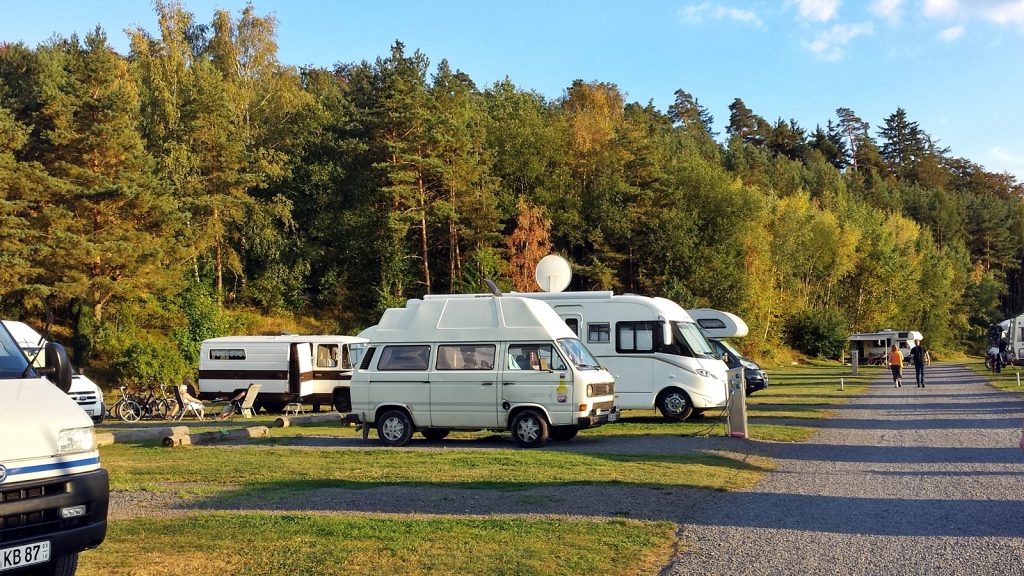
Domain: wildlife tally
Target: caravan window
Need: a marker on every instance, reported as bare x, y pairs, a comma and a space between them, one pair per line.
574, 325
227, 354
327, 355
635, 336
465, 357
599, 333
404, 358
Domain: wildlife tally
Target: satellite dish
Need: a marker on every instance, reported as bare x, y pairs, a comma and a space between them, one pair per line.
553, 273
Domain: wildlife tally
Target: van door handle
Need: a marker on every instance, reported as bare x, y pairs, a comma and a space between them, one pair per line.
507, 383
487, 383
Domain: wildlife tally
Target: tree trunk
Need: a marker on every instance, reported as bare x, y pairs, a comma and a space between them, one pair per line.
423, 234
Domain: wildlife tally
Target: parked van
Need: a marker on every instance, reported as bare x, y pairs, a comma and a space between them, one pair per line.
83, 391
873, 346
53, 492
719, 326
478, 363
290, 368
657, 354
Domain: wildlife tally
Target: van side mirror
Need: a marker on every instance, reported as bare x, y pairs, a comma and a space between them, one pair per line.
58, 366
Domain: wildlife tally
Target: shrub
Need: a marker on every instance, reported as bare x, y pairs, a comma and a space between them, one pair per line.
818, 333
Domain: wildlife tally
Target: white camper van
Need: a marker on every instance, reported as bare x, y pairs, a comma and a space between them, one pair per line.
478, 363
83, 391
53, 493
872, 347
719, 326
290, 368
652, 347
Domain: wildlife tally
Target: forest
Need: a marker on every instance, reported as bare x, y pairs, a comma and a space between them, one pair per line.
197, 187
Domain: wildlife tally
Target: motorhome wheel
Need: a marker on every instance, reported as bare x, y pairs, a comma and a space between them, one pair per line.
674, 404
394, 428
530, 429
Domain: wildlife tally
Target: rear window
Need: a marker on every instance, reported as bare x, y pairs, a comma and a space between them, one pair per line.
404, 358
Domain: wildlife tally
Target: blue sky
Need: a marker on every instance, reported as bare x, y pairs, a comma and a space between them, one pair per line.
955, 66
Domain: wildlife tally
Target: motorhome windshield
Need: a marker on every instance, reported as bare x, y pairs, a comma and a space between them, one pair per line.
578, 354
12, 360
690, 336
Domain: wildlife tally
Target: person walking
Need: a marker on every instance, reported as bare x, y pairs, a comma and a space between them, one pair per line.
896, 365
919, 356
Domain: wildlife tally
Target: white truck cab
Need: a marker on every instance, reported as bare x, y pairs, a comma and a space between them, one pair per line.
478, 363
83, 391
53, 492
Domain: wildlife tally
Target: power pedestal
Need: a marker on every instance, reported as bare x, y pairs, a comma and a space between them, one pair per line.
736, 415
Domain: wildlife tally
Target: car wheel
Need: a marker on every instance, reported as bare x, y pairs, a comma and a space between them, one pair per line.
563, 433
530, 429
394, 428
674, 404
435, 434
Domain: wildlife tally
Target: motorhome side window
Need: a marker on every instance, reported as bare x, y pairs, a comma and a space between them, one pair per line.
573, 325
711, 323
404, 358
534, 357
465, 357
227, 354
599, 332
332, 356
636, 336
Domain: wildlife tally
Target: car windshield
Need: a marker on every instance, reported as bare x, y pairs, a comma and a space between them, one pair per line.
12, 360
578, 354
692, 336
729, 348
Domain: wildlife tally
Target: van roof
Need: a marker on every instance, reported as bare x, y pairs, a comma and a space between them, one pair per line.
24, 335
286, 338
470, 319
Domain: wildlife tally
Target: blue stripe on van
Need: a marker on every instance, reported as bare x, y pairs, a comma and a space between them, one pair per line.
52, 466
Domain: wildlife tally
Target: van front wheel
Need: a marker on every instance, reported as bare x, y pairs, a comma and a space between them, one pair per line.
530, 429
394, 428
674, 404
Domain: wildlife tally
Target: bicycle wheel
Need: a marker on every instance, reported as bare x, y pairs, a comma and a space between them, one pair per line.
158, 408
130, 411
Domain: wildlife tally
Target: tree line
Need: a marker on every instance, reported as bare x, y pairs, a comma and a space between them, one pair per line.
178, 192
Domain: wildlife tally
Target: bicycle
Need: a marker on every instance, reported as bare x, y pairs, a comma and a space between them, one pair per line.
126, 408
155, 407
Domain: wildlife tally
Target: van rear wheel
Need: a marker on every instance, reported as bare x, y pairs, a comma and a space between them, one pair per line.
563, 433
674, 404
435, 434
394, 428
530, 429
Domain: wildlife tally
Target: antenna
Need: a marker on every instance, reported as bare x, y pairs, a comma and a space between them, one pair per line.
492, 287
553, 273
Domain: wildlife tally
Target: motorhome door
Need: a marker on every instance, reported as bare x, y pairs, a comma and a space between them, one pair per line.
300, 369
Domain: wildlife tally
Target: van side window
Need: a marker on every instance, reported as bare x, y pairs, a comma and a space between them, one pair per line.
599, 332
327, 355
574, 325
465, 357
534, 357
404, 358
227, 354
635, 337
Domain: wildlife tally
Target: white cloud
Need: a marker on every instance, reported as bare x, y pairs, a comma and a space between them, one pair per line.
941, 8
1005, 13
952, 33
697, 13
816, 10
887, 9
1008, 161
828, 45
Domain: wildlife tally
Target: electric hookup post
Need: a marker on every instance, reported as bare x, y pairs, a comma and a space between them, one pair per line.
736, 415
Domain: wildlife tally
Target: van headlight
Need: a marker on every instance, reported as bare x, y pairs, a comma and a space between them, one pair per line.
72, 440
590, 390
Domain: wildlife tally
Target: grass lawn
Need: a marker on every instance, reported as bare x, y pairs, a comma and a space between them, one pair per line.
1006, 380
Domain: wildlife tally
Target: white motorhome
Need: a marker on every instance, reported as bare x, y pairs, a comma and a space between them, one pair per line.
873, 346
719, 326
657, 354
290, 368
53, 492
83, 391
478, 363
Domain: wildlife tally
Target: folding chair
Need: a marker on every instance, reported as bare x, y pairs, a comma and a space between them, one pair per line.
250, 397
184, 407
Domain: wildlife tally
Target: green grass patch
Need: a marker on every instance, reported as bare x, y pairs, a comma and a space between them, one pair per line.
1006, 380
251, 544
213, 469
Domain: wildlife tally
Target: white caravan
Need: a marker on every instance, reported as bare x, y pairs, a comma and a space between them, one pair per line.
290, 368
83, 391
53, 493
657, 354
873, 346
478, 363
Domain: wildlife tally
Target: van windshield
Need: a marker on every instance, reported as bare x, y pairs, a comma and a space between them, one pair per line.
12, 360
578, 354
690, 336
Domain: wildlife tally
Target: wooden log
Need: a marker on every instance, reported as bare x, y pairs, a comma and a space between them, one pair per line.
176, 440
143, 434
104, 439
225, 435
310, 420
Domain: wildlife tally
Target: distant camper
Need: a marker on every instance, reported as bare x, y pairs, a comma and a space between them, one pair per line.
872, 346
290, 368
719, 326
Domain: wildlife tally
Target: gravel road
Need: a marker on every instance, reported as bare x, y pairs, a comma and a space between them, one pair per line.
900, 481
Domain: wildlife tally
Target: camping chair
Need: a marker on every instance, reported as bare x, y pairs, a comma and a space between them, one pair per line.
247, 402
184, 407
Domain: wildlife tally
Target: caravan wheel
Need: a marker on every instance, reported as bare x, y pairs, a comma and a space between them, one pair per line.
674, 404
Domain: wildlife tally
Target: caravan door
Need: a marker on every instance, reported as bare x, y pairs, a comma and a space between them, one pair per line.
300, 369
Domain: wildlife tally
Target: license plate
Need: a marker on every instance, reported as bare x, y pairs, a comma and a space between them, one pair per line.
24, 555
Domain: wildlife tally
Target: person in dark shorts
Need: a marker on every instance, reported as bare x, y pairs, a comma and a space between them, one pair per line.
919, 355
896, 365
